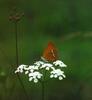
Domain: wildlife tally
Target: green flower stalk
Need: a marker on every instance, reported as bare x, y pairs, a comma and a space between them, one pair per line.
15, 17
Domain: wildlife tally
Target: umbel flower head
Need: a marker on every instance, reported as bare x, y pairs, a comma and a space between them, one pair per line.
49, 63
35, 74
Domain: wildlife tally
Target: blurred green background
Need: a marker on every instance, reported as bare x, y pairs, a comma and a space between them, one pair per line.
67, 23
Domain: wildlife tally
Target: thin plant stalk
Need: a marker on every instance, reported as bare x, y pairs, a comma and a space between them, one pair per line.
43, 85
43, 90
16, 43
17, 58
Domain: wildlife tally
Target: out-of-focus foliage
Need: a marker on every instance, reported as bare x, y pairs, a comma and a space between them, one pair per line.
67, 23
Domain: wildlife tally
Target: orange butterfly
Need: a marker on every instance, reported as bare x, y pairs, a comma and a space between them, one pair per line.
50, 53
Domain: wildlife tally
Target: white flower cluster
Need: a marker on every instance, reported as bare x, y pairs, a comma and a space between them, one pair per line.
34, 71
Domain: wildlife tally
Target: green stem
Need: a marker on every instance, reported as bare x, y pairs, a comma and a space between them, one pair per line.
16, 44
17, 59
43, 84
43, 90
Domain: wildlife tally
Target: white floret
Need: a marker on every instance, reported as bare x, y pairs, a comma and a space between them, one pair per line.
59, 63
57, 73
35, 76
20, 68
38, 63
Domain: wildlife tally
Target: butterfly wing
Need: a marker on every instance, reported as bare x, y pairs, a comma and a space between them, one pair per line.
50, 53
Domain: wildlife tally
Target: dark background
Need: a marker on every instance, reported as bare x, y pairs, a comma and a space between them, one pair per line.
67, 23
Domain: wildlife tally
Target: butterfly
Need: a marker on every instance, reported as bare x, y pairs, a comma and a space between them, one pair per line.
50, 53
